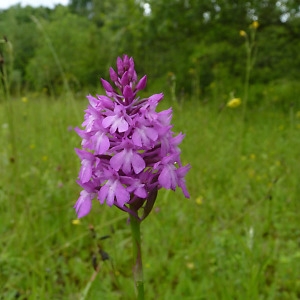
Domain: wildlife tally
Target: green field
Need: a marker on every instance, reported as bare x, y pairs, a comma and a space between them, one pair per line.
237, 237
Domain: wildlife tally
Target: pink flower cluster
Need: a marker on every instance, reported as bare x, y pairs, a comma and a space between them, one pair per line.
129, 150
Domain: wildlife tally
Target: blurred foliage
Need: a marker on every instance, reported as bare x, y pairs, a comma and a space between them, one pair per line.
72, 53
196, 41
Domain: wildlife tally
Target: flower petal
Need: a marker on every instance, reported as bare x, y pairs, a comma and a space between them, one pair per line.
138, 163
106, 85
142, 83
83, 204
168, 177
117, 160
113, 74
122, 195
101, 143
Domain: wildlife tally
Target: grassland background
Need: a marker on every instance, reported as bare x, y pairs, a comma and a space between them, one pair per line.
237, 237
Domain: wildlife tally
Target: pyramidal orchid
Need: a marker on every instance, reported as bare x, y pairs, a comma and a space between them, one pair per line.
129, 152
129, 149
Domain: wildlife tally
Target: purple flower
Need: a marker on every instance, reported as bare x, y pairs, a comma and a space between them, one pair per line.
117, 120
128, 160
129, 150
113, 191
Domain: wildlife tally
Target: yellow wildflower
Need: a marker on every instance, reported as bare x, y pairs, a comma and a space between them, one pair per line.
199, 200
235, 102
76, 222
24, 99
190, 265
254, 25
243, 33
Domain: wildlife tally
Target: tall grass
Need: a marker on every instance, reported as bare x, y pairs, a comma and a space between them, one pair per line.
236, 238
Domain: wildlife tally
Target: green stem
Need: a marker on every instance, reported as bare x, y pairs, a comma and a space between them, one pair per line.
249, 49
247, 79
137, 257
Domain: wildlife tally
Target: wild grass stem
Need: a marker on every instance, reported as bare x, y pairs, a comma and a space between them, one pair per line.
250, 59
5, 74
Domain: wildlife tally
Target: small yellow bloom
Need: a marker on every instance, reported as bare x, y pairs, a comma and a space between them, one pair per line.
190, 265
32, 146
254, 25
235, 102
76, 222
199, 200
252, 156
24, 99
243, 33
45, 158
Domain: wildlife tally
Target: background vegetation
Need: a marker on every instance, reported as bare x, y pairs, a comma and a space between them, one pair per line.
196, 43
238, 236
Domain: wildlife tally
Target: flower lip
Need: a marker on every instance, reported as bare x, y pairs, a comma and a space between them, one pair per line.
128, 160
117, 120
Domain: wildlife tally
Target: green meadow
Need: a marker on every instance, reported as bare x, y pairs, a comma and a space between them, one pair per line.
237, 237
233, 83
